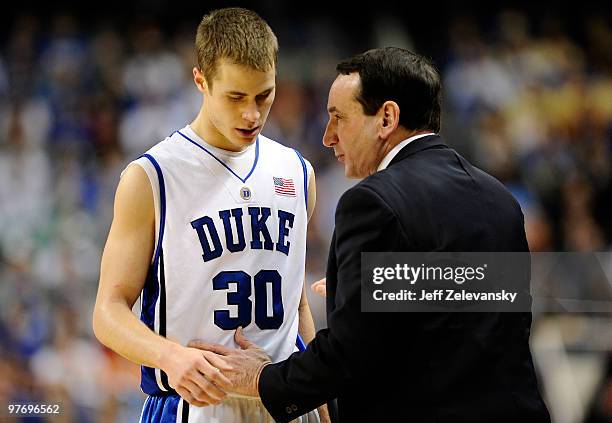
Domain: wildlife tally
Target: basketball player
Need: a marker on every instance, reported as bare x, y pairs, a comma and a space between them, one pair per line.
209, 230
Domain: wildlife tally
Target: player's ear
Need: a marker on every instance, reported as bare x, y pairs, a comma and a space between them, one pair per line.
388, 115
200, 80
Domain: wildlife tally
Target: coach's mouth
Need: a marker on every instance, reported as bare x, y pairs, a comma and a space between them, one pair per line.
340, 158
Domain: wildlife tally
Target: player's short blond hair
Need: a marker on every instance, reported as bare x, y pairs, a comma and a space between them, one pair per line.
236, 34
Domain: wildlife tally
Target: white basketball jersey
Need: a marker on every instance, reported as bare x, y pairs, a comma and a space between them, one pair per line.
230, 248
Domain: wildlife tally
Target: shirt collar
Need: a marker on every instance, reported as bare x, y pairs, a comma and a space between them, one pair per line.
391, 154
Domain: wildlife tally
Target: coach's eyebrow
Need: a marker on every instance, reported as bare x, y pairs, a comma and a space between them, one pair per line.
333, 109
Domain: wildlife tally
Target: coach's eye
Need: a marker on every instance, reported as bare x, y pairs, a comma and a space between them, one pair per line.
235, 98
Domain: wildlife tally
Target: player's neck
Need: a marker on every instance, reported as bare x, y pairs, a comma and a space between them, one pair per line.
204, 129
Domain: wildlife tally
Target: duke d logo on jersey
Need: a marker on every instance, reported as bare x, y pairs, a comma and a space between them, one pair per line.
245, 193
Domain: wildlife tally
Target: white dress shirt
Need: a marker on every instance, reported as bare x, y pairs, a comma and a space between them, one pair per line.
391, 154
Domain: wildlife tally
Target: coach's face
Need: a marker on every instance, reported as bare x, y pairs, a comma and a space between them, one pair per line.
352, 134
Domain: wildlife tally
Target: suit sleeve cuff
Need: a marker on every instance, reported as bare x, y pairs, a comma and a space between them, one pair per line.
281, 413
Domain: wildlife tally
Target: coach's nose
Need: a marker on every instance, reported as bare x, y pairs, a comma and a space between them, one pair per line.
330, 137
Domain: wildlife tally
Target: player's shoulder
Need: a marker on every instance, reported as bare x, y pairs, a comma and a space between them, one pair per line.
279, 151
160, 156
166, 147
266, 143
169, 151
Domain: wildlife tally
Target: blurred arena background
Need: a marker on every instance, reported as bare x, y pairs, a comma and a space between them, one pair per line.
86, 88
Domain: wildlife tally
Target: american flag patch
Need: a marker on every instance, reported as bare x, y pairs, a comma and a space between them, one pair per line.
284, 186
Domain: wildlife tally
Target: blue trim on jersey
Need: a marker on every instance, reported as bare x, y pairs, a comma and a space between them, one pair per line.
220, 161
162, 207
153, 285
305, 177
162, 409
150, 295
299, 342
154, 290
148, 382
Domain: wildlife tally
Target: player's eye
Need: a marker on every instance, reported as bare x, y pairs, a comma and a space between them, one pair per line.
262, 97
234, 98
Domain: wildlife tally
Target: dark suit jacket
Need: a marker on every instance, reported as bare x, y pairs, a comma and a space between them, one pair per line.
415, 367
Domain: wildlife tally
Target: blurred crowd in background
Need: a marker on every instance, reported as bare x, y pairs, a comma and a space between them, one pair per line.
523, 99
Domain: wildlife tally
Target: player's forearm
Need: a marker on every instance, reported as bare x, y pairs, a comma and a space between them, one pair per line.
119, 329
307, 331
306, 326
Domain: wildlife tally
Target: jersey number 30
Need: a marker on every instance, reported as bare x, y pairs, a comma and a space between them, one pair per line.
242, 298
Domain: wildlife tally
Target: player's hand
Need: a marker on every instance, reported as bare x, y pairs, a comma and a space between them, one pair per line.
320, 287
246, 363
196, 375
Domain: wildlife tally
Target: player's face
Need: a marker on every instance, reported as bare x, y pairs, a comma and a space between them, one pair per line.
352, 134
237, 104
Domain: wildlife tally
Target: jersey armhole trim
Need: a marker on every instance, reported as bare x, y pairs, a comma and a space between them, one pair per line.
162, 207
305, 177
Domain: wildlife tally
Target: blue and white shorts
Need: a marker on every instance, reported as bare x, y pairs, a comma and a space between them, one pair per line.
173, 409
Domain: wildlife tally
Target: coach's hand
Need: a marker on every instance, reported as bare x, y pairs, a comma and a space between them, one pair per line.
246, 363
320, 287
196, 375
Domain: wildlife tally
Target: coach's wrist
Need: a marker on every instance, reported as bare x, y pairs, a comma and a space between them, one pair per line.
258, 376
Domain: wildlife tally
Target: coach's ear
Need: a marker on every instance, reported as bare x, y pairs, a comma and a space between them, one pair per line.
388, 118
